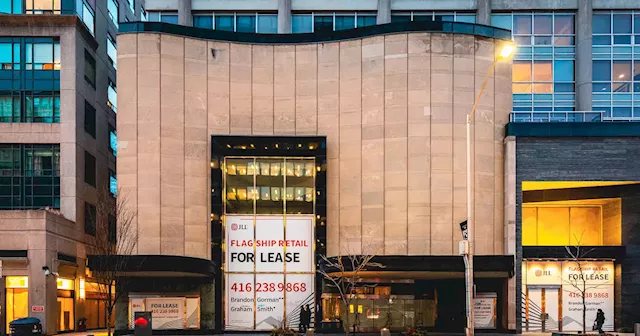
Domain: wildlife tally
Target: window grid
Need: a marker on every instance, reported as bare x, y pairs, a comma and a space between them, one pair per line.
90, 217
29, 79
114, 13
264, 23
30, 106
42, 54
616, 64
307, 22
542, 38
89, 68
89, 119
113, 183
143, 14
11, 6
113, 140
89, 169
166, 17
88, 17
433, 16
112, 93
29, 176
42, 6
112, 51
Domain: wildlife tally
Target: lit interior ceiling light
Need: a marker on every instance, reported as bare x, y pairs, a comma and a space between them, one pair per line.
621, 76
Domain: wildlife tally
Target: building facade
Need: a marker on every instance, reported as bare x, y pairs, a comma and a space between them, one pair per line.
57, 147
262, 154
575, 76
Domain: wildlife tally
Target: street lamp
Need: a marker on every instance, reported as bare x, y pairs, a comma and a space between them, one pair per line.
467, 248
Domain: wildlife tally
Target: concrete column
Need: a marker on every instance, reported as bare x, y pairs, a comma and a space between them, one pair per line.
284, 16
207, 306
185, 18
483, 14
384, 11
121, 312
584, 42
43, 289
510, 225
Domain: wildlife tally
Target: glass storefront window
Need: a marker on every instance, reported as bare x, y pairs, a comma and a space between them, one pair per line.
371, 313
17, 298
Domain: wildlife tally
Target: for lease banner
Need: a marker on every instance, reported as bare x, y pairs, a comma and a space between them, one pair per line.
484, 311
167, 312
269, 269
599, 297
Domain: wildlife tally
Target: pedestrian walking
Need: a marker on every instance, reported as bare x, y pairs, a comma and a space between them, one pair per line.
305, 318
599, 322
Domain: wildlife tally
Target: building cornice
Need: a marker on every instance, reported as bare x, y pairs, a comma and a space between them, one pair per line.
318, 37
44, 21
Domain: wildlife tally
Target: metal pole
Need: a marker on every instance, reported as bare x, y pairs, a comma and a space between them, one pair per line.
469, 257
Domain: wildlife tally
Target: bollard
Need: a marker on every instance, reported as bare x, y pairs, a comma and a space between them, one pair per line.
385, 332
636, 329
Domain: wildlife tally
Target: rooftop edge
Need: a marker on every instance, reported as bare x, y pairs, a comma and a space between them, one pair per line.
318, 37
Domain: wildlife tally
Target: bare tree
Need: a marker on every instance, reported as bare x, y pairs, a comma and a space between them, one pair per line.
577, 254
111, 238
344, 273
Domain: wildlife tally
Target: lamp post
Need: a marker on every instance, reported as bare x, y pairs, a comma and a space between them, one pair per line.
507, 50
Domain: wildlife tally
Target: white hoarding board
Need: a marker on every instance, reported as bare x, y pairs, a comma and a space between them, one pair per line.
167, 312
239, 244
269, 244
300, 291
600, 297
484, 311
269, 301
240, 301
299, 244
137, 305
595, 273
543, 273
259, 286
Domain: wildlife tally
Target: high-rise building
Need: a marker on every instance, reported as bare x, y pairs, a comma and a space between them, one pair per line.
58, 108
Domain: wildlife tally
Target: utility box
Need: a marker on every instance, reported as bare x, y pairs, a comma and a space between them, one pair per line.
636, 329
142, 324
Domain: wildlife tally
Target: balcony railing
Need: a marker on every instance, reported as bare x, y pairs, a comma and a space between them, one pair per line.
556, 116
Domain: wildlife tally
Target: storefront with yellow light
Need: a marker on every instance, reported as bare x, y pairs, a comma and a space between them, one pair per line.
16, 298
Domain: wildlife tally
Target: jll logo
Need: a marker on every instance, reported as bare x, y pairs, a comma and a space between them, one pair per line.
543, 273
236, 227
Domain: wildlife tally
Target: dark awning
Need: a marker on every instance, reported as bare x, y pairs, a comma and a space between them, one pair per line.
153, 265
489, 266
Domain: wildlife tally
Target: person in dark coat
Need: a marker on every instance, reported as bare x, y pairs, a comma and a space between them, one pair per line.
599, 321
305, 318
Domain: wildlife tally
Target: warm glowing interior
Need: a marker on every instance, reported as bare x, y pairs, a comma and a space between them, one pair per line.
571, 223
17, 298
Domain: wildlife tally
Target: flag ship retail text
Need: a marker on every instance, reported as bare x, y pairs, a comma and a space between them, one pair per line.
269, 243
268, 257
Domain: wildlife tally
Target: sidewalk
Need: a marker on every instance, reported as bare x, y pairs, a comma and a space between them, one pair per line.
104, 333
